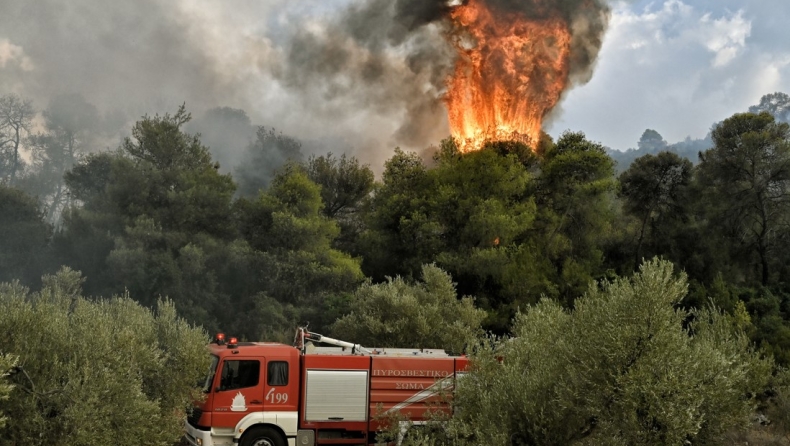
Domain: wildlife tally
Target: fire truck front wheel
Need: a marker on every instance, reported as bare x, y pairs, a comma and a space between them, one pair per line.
263, 436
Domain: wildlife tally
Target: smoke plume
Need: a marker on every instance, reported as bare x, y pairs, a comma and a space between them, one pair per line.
394, 58
361, 76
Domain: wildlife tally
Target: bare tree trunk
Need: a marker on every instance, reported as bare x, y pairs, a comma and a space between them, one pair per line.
16, 115
15, 166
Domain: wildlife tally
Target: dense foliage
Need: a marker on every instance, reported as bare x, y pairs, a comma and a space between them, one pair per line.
8, 363
88, 372
624, 367
396, 313
24, 246
285, 239
508, 225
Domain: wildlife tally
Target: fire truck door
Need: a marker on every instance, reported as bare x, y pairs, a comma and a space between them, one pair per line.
281, 390
240, 390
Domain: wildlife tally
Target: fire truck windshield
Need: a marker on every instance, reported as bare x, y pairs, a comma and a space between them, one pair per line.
212, 369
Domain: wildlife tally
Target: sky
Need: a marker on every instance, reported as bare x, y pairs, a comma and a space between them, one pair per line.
673, 66
679, 67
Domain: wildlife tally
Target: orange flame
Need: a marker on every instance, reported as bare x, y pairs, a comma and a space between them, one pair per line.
510, 73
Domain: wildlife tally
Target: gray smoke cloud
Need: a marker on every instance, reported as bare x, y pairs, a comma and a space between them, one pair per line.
141, 57
360, 76
380, 58
393, 58
131, 56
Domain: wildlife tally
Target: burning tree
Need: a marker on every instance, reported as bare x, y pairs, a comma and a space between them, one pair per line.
499, 67
515, 60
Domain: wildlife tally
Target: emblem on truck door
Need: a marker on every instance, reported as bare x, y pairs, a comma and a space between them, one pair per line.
239, 403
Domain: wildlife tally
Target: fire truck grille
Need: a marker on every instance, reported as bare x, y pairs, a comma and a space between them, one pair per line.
194, 417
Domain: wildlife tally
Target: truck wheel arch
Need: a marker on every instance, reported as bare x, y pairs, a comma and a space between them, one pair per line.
285, 422
262, 431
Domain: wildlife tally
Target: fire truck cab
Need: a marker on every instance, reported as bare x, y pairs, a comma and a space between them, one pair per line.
271, 394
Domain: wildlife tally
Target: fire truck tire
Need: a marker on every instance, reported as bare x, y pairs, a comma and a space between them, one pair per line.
263, 436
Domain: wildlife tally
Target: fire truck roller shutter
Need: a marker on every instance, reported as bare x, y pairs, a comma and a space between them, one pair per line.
336, 395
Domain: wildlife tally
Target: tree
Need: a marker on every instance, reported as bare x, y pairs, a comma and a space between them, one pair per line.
264, 156
181, 188
158, 219
70, 124
298, 273
622, 368
344, 182
399, 237
96, 217
470, 214
422, 315
226, 131
24, 246
482, 198
158, 143
574, 198
8, 363
653, 190
16, 116
510, 225
155, 219
777, 104
484, 203
651, 142
746, 179
96, 372
345, 188
160, 172
468, 203
524, 153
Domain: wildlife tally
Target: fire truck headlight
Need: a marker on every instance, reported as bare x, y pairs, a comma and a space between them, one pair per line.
199, 441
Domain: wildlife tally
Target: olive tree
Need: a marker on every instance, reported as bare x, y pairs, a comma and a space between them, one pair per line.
624, 367
95, 371
7, 364
397, 313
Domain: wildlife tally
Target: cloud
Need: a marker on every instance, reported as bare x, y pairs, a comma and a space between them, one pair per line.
13, 54
725, 37
678, 67
678, 28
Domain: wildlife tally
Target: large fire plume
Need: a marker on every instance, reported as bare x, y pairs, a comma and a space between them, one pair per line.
513, 65
498, 66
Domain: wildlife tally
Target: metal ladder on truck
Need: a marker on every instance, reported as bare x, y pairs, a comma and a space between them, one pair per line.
303, 337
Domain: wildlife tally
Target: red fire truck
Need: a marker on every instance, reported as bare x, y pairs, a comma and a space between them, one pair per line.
270, 394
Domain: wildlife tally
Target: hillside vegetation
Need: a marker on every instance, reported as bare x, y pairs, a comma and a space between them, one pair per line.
650, 306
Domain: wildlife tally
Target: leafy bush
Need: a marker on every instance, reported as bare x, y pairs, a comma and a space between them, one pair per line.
624, 367
95, 372
422, 315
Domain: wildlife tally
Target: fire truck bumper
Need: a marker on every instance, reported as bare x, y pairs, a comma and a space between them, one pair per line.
197, 437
